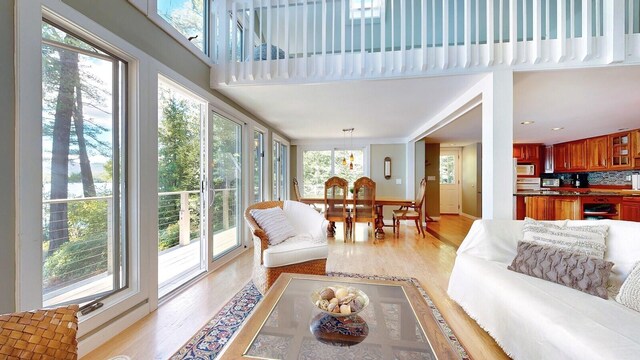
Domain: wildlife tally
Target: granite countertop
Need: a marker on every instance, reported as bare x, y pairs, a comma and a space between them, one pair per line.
581, 192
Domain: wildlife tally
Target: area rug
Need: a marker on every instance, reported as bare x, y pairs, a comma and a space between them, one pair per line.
212, 338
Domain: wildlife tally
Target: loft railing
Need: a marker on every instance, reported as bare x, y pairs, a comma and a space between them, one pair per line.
262, 40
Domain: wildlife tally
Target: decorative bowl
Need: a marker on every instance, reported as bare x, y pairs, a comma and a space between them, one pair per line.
355, 299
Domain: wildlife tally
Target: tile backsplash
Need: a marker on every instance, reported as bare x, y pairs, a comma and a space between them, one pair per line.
602, 177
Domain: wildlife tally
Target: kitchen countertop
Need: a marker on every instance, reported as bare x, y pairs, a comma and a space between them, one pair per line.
578, 192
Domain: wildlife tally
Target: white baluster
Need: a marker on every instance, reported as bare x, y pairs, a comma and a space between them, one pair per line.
343, 50
444, 63
252, 40
305, 48
614, 28
287, 24
501, 30
433, 33
572, 34
525, 31
490, 34
269, 40
467, 33
403, 36
423, 31
383, 38
513, 31
561, 44
363, 25
537, 31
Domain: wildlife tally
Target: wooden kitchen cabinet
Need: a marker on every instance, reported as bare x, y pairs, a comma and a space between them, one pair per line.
565, 207
630, 209
597, 153
527, 153
620, 151
553, 207
635, 143
561, 157
577, 155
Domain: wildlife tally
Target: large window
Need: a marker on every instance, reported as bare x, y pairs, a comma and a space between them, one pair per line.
280, 156
180, 244
226, 184
320, 165
189, 17
258, 165
83, 166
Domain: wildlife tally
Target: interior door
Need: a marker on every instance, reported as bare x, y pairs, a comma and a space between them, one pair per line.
449, 181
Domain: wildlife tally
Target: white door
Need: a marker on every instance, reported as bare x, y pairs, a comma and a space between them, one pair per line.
450, 181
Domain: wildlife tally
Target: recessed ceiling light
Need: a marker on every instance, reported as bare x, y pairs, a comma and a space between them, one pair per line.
557, 128
527, 122
622, 129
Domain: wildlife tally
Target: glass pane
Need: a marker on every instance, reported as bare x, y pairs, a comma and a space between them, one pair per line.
258, 163
316, 169
282, 170
276, 166
179, 219
187, 16
226, 181
345, 171
82, 204
447, 169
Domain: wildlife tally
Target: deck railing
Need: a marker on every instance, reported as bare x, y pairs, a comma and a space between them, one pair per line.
262, 40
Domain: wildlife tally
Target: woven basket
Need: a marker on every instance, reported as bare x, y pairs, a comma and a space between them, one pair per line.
264, 277
40, 334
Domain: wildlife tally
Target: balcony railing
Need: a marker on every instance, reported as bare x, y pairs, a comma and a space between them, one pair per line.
267, 40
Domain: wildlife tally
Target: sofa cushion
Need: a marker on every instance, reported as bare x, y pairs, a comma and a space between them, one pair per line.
297, 249
587, 239
577, 271
274, 223
535, 319
305, 219
629, 294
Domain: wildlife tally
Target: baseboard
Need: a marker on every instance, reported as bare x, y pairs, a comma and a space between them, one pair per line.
469, 216
435, 218
103, 335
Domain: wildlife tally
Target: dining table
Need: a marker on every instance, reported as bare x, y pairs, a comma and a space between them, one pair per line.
380, 203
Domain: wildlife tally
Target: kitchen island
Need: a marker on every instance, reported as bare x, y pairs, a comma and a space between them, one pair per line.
578, 204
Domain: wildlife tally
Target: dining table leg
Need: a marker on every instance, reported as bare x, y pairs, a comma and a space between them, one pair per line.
331, 229
379, 233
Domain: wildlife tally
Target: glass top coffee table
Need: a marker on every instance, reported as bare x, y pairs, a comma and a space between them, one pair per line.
397, 324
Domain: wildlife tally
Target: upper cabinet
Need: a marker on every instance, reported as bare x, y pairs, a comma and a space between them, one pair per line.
561, 157
578, 155
620, 151
548, 159
527, 153
635, 142
597, 153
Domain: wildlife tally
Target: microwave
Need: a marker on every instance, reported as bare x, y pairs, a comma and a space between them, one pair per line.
525, 169
548, 183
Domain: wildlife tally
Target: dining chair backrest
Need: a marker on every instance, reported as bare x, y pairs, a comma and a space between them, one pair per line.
335, 198
296, 189
364, 199
421, 193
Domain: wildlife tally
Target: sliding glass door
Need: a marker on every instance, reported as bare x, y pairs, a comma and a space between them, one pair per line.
225, 184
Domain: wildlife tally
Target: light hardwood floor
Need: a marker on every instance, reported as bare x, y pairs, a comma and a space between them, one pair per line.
429, 260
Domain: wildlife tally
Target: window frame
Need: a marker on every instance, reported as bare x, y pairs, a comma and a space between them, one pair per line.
277, 138
252, 130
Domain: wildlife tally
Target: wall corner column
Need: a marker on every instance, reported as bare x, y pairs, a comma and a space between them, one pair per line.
497, 146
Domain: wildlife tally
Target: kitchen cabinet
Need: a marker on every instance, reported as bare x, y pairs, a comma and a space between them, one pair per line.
548, 159
561, 157
601, 207
553, 207
635, 143
630, 209
577, 155
620, 151
597, 153
527, 153
536, 207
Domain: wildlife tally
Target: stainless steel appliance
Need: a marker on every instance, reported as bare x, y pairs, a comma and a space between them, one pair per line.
525, 170
528, 184
550, 183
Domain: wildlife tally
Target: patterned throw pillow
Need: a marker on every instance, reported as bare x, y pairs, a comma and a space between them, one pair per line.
586, 239
629, 294
274, 223
577, 271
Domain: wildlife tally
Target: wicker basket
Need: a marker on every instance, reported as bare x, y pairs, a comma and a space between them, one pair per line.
264, 277
40, 334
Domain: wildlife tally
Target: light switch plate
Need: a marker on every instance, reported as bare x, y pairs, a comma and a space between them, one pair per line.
398, 181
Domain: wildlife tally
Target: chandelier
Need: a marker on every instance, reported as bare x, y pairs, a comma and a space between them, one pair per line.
351, 157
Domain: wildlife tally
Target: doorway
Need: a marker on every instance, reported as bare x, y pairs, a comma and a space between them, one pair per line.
450, 181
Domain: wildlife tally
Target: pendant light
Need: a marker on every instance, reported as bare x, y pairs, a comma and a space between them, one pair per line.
351, 158
344, 143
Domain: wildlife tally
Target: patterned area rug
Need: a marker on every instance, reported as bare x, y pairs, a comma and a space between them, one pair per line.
212, 338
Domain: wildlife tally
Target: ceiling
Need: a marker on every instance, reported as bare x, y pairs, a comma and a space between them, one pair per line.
391, 108
585, 102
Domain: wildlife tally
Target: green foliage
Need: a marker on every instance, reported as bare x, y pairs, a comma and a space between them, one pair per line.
169, 237
76, 260
316, 170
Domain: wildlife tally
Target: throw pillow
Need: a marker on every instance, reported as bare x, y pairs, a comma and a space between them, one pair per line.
587, 239
577, 271
274, 223
629, 294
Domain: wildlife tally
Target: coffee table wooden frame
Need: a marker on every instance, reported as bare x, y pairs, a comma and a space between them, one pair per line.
243, 338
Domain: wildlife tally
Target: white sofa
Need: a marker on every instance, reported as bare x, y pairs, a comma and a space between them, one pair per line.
532, 318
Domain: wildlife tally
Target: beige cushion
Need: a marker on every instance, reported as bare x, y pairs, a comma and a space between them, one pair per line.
295, 250
405, 213
275, 224
629, 294
577, 271
588, 239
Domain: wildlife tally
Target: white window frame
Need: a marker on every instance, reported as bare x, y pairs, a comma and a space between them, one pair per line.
366, 152
275, 137
265, 132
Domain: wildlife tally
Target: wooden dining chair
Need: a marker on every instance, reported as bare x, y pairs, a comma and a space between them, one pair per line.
296, 191
411, 212
364, 203
335, 202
